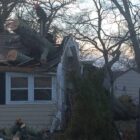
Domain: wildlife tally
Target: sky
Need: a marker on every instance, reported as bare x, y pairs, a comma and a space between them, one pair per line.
88, 4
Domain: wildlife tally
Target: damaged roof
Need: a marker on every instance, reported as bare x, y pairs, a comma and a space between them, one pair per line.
15, 56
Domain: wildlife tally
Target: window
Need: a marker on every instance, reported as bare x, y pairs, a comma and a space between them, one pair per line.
28, 88
19, 89
42, 88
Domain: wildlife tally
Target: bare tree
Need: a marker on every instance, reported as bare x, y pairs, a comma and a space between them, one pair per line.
6, 7
131, 14
25, 9
95, 30
54, 11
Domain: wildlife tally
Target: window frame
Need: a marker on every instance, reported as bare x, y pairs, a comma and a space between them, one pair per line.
30, 88
18, 88
50, 88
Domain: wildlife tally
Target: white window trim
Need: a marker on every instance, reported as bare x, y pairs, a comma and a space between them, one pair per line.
30, 78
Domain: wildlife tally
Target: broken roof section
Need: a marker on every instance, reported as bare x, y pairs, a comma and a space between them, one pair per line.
26, 51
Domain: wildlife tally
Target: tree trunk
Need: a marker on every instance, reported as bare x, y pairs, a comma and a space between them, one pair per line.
14, 55
133, 36
31, 39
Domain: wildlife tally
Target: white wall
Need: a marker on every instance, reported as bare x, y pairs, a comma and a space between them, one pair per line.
128, 84
37, 116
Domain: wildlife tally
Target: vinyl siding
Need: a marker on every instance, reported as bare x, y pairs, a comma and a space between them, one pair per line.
37, 116
131, 81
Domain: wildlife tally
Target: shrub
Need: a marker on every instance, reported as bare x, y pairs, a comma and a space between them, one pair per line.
91, 116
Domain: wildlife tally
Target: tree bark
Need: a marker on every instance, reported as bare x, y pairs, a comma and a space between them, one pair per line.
133, 36
14, 55
31, 39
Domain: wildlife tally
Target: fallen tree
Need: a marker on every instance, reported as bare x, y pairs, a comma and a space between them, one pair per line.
37, 45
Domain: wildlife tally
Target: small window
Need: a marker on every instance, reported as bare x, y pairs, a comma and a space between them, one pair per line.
42, 94
29, 88
17, 82
42, 88
19, 89
19, 95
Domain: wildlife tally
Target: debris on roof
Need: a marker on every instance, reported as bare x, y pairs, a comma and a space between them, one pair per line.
26, 48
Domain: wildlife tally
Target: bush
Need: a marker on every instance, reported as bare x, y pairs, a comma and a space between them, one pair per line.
128, 104
91, 116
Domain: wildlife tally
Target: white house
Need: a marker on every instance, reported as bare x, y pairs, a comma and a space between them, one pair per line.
33, 92
128, 83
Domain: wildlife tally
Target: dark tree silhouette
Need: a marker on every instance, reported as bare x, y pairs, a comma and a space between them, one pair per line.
6, 7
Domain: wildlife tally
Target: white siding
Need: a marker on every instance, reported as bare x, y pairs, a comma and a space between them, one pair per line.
37, 116
131, 81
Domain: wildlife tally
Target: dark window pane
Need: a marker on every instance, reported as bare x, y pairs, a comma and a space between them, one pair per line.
42, 94
43, 82
19, 82
19, 95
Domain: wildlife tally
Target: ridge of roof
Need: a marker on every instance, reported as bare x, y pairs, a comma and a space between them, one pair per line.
120, 73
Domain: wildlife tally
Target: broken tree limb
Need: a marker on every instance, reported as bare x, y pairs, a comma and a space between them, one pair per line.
31, 39
14, 55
